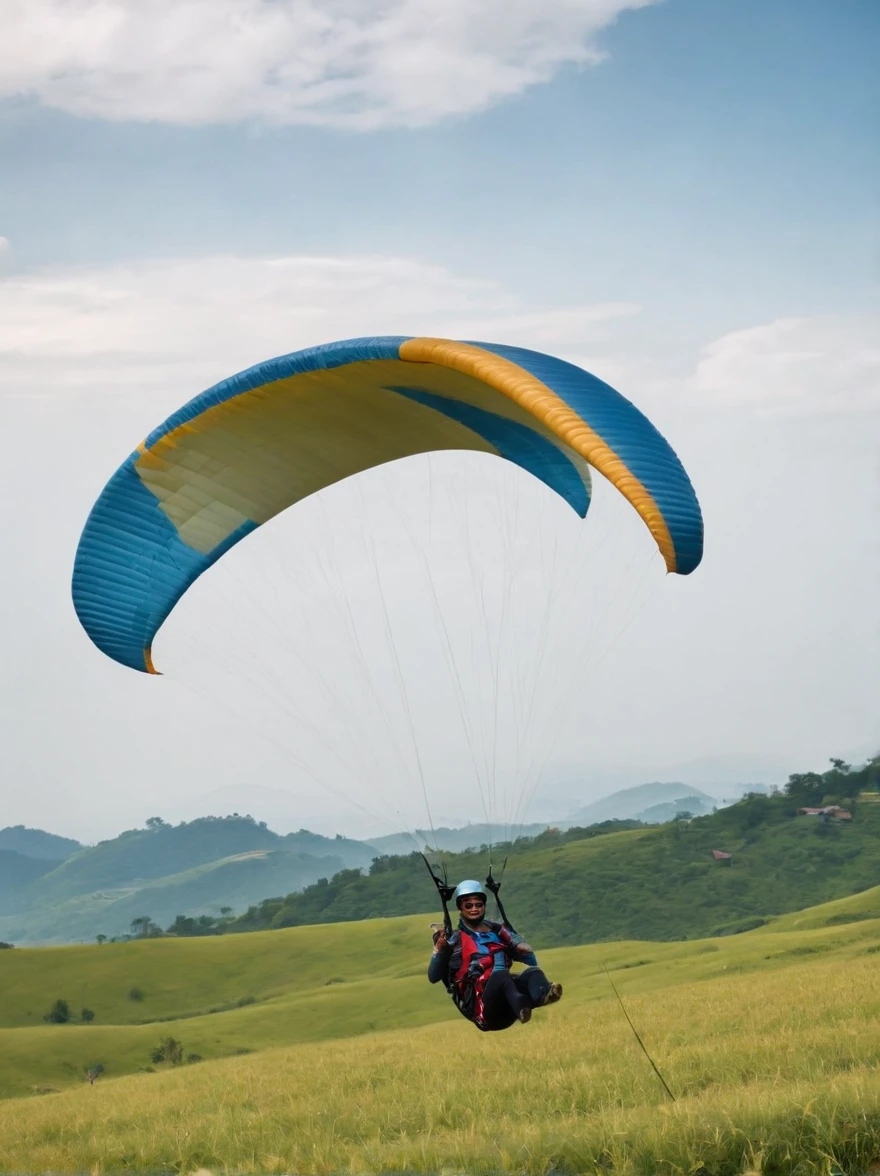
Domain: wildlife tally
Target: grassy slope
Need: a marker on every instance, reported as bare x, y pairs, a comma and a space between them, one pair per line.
748, 1030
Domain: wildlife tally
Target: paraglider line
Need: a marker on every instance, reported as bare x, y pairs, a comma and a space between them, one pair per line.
636, 1033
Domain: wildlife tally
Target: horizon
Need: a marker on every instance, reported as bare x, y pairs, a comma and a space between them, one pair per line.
725, 795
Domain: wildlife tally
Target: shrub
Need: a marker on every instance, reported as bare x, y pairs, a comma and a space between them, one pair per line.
136, 994
170, 1050
59, 1014
87, 1016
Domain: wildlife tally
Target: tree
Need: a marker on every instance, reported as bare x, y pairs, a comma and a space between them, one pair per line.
87, 1016
59, 1014
100, 939
92, 1072
156, 823
143, 927
805, 787
226, 911
169, 1049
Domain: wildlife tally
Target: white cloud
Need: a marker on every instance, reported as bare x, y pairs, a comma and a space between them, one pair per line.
5, 245
183, 324
823, 363
347, 63
174, 327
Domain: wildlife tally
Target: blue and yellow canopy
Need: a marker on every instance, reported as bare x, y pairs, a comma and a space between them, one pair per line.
268, 437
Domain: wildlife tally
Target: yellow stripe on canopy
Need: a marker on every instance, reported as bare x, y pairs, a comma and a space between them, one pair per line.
543, 403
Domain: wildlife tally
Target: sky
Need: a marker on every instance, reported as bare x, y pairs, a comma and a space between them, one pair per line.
679, 196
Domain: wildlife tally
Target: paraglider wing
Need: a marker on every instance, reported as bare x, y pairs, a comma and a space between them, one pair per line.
253, 445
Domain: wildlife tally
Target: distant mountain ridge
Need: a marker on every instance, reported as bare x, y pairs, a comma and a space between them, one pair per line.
62, 891
36, 843
631, 803
453, 840
163, 870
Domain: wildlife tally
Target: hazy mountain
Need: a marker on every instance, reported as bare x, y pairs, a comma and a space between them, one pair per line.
235, 882
35, 843
161, 871
455, 840
658, 814
138, 856
17, 872
632, 802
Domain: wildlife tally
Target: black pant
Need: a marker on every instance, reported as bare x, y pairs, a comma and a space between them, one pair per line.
505, 995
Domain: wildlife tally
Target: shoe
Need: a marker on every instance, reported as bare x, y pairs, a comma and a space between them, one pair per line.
554, 994
524, 1015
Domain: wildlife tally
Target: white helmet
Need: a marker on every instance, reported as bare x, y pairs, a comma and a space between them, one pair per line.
468, 886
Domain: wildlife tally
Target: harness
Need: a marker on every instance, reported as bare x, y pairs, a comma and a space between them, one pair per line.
468, 984
477, 964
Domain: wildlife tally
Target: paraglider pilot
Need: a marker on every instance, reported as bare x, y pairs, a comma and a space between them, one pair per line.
474, 964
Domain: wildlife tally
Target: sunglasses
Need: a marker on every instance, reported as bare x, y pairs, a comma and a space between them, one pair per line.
473, 902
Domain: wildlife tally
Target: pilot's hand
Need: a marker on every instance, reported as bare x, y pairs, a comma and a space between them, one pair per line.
439, 937
524, 949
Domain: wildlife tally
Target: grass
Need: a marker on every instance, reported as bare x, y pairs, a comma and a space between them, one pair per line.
770, 1041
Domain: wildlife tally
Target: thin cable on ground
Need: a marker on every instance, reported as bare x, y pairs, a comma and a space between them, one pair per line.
635, 1031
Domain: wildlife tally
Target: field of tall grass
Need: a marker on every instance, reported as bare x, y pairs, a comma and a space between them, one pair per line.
769, 1040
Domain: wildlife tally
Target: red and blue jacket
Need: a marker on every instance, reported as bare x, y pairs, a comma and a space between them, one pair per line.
469, 959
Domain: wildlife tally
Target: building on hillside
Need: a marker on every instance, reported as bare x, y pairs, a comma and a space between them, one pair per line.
720, 856
826, 813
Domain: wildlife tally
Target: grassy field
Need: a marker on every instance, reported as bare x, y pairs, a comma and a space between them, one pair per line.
770, 1041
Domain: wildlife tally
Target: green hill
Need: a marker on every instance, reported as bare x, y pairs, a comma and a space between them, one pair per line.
196, 867
230, 994
323, 1049
36, 843
162, 850
232, 882
661, 882
631, 803
17, 873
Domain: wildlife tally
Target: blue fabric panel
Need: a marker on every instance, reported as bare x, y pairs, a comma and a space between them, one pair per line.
515, 442
131, 567
632, 437
327, 355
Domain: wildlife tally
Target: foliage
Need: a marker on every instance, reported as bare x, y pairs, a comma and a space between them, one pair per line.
87, 1016
58, 1014
136, 994
143, 927
169, 1049
201, 925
